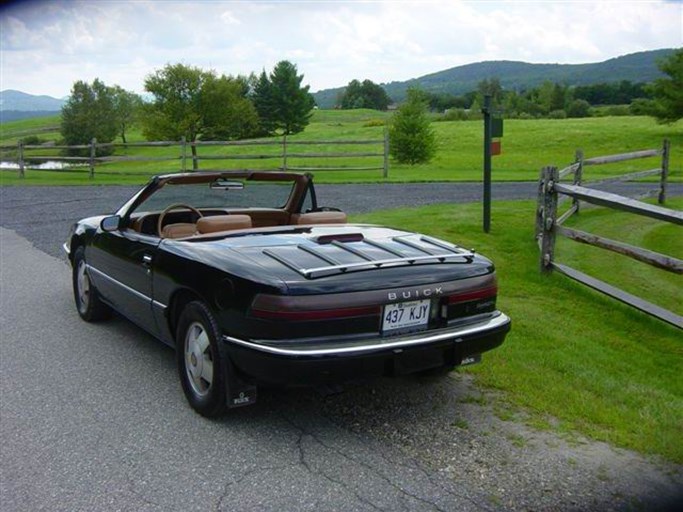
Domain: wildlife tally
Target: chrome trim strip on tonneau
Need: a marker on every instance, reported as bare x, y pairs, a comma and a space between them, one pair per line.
400, 259
415, 340
125, 287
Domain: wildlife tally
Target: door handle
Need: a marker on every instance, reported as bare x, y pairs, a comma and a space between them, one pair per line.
147, 260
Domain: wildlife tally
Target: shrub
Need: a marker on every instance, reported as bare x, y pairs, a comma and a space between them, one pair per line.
371, 123
411, 138
579, 108
32, 140
454, 114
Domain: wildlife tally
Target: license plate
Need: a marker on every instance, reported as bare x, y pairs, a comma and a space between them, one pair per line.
406, 315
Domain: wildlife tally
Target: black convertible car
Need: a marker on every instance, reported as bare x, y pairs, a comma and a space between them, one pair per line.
253, 283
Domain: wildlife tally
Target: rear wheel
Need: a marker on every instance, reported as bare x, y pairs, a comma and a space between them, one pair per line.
199, 359
88, 303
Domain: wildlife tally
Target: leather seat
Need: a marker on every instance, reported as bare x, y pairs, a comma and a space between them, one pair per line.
217, 223
319, 218
178, 230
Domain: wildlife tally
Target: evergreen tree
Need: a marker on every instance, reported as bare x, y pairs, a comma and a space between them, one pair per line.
667, 106
292, 104
411, 138
262, 97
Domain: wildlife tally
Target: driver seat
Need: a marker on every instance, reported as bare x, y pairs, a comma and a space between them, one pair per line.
178, 230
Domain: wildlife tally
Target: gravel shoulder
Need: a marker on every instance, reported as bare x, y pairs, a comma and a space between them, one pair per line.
76, 439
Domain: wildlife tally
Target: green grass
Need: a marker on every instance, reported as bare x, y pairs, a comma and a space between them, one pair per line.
598, 367
527, 145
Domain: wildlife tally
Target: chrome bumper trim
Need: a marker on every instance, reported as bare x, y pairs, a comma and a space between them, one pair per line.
416, 340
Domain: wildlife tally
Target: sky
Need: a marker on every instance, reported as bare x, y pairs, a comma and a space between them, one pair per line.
45, 46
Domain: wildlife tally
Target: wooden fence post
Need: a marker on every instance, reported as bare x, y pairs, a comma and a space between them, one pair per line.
93, 154
20, 157
550, 177
284, 152
578, 176
539, 205
385, 173
665, 171
183, 153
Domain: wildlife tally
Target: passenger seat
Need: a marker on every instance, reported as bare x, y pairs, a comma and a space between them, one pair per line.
217, 223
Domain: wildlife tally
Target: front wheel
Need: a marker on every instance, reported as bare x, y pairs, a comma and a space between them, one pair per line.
199, 359
88, 303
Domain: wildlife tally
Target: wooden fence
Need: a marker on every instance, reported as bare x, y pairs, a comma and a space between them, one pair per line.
549, 223
377, 157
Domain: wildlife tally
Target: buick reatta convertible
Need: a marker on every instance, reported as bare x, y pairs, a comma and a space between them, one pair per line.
254, 283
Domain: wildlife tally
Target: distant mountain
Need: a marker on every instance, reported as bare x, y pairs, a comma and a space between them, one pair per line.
22, 102
635, 67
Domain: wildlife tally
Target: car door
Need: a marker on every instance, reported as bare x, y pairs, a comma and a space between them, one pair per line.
121, 262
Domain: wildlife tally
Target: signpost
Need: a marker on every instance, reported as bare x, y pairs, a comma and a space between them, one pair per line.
493, 127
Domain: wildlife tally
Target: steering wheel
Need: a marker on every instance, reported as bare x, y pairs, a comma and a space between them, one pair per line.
160, 223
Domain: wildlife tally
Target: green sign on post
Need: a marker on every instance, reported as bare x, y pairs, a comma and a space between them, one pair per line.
493, 127
496, 127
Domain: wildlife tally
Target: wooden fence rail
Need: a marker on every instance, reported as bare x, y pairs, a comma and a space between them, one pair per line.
549, 224
186, 160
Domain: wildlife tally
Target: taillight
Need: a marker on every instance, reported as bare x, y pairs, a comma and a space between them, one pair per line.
298, 309
484, 293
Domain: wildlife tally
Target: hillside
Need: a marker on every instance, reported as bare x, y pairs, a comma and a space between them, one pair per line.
20, 105
635, 67
21, 101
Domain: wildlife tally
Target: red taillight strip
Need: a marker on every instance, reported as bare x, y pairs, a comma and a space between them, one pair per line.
323, 314
473, 295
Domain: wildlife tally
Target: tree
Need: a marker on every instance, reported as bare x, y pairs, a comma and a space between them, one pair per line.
192, 103
281, 102
262, 98
491, 88
579, 108
88, 114
364, 95
667, 106
411, 138
228, 113
126, 108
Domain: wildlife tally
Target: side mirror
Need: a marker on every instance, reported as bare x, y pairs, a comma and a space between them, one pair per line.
111, 223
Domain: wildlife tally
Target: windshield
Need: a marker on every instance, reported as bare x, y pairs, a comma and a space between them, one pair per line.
202, 195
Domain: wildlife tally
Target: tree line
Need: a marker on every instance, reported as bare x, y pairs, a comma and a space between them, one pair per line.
660, 99
190, 102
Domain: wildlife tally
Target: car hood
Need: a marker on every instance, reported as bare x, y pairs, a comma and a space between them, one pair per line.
329, 259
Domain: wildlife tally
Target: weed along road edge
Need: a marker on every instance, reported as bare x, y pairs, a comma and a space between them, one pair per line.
92, 418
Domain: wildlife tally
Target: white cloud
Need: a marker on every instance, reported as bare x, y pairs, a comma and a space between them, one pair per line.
46, 46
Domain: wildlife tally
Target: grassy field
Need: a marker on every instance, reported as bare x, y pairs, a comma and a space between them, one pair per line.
528, 145
577, 361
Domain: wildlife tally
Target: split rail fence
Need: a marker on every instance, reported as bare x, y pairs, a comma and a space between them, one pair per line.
375, 158
549, 223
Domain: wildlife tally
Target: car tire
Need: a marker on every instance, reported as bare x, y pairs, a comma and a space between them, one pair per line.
200, 360
88, 303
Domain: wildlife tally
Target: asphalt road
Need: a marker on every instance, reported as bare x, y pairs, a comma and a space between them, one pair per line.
92, 417
44, 214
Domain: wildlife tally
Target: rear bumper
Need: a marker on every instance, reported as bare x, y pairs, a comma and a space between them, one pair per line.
310, 362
